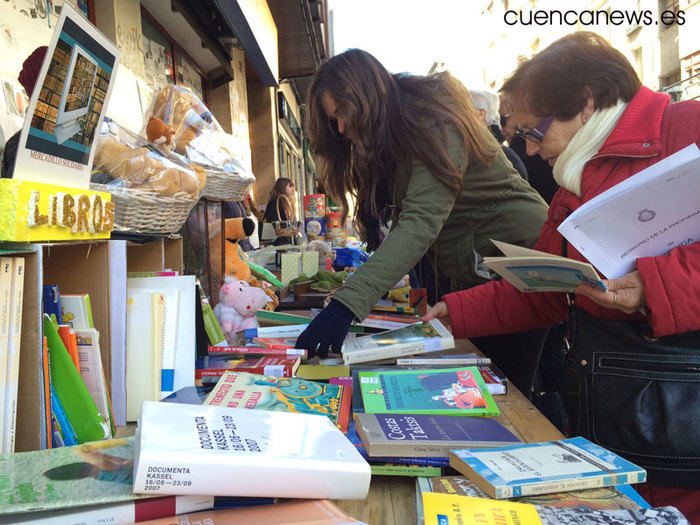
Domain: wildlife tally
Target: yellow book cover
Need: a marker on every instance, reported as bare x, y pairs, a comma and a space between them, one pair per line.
450, 509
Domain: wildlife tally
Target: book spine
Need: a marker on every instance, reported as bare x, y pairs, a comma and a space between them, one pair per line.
376, 354
12, 378
257, 351
266, 370
405, 470
201, 473
88, 311
5, 306
283, 331
477, 361
550, 487
66, 430
47, 393
211, 324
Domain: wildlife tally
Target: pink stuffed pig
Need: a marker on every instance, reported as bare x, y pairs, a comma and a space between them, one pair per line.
238, 305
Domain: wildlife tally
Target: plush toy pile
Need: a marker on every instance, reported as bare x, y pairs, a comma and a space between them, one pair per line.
124, 159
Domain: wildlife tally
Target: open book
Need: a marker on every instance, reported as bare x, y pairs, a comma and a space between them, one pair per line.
534, 271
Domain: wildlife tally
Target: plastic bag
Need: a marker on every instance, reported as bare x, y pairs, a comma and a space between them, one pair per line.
123, 159
196, 133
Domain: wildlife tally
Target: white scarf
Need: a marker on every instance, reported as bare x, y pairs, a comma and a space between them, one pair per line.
584, 144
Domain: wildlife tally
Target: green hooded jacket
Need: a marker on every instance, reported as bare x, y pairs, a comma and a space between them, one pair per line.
495, 203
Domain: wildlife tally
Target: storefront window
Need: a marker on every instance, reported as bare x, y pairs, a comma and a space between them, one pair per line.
189, 77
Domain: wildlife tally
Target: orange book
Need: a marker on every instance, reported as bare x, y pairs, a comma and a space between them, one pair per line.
71, 342
47, 394
311, 512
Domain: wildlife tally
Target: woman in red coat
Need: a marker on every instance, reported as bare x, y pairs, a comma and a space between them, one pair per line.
633, 380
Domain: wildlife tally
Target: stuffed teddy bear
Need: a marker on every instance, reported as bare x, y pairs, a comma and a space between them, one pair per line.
238, 305
324, 251
183, 112
159, 133
144, 169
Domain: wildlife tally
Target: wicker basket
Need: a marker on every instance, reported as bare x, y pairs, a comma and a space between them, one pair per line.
226, 186
146, 211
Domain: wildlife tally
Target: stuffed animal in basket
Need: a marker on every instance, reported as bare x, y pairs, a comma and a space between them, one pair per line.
141, 168
183, 112
238, 305
159, 133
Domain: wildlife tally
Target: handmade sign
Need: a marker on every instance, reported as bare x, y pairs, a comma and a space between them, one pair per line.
67, 106
33, 211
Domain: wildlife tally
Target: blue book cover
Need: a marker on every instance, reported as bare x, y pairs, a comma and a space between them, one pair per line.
424, 462
52, 301
421, 435
67, 432
542, 468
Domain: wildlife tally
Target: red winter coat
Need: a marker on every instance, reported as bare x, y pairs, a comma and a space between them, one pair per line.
649, 130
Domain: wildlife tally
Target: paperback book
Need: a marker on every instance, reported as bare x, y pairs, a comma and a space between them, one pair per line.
320, 372
411, 339
544, 468
415, 435
99, 472
603, 498
188, 449
209, 369
496, 381
354, 438
452, 391
534, 271
256, 351
243, 390
442, 361
275, 342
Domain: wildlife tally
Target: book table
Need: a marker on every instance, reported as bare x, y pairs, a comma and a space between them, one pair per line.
392, 499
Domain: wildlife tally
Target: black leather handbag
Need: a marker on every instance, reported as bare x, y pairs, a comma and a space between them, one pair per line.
637, 395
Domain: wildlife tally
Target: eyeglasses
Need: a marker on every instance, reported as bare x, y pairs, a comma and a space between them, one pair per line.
504, 120
537, 133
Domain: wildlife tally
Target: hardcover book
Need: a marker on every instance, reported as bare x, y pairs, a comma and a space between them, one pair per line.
275, 342
604, 498
452, 391
496, 381
411, 339
544, 468
415, 435
243, 390
210, 369
321, 372
188, 449
99, 472
392, 469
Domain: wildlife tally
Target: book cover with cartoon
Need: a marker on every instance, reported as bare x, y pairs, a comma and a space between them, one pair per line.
244, 390
454, 391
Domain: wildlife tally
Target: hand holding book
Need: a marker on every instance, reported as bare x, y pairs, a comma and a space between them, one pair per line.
626, 293
438, 311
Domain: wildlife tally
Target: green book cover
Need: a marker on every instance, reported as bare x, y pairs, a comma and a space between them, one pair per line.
390, 469
80, 409
88, 474
211, 324
447, 391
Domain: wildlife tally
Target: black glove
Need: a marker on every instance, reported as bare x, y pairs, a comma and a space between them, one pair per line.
327, 330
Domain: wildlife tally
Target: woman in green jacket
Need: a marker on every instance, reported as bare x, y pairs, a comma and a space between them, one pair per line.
410, 149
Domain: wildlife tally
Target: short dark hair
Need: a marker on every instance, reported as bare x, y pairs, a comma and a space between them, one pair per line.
558, 80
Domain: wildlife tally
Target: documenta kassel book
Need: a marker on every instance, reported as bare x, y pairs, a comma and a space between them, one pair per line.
188, 449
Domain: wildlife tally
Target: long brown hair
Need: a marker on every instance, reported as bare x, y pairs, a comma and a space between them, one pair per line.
393, 118
277, 191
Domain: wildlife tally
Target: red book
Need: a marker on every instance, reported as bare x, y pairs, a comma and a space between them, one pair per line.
257, 351
210, 369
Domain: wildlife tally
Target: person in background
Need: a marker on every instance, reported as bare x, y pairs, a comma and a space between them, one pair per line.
486, 104
539, 173
253, 212
633, 376
410, 149
27, 77
279, 206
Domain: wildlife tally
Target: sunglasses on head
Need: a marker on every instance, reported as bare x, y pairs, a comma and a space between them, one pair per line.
537, 133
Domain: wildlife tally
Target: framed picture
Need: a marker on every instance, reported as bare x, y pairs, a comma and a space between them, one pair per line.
76, 94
